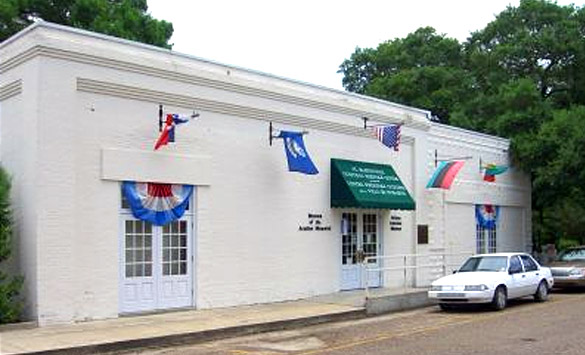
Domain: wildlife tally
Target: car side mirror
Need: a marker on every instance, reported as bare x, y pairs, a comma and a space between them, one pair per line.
454, 271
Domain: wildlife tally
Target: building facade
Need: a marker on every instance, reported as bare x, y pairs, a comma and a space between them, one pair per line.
79, 116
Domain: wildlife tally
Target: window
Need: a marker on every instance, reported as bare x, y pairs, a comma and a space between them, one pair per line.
529, 264
370, 236
151, 249
138, 249
515, 263
572, 254
485, 263
349, 238
174, 249
422, 234
484, 235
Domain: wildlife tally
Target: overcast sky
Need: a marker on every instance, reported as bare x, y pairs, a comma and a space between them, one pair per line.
307, 40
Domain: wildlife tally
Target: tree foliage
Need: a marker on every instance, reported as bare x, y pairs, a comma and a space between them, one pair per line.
424, 70
121, 18
521, 77
10, 305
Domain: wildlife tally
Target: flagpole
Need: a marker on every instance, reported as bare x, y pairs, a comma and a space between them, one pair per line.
271, 135
160, 118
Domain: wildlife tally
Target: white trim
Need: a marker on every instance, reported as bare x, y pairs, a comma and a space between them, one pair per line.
440, 126
152, 48
189, 217
358, 267
11, 89
140, 165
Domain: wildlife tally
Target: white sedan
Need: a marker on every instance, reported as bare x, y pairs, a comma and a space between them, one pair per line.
493, 278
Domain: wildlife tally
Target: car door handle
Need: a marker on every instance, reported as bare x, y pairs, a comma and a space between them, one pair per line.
523, 276
537, 274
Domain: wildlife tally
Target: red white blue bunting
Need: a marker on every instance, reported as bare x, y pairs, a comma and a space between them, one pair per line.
487, 215
157, 203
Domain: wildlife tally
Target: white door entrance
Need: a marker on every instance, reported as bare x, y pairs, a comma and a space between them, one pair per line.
155, 264
360, 238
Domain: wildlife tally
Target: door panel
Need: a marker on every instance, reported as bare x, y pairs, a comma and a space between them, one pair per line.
156, 265
350, 268
176, 278
138, 280
532, 274
370, 246
359, 239
517, 284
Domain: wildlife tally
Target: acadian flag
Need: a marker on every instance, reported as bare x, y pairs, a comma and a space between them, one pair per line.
445, 174
296, 153
491, 170
389, 135
168, 133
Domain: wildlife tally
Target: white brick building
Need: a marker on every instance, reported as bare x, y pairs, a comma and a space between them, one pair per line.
79, 115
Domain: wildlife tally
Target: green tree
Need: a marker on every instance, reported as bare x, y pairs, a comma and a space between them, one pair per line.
121, 18
10, 305
538, 40
424, 69
520, 77
515, 109
529, 74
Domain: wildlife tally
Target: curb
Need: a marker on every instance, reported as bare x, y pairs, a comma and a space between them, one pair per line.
196, 337
17, 326
382, 305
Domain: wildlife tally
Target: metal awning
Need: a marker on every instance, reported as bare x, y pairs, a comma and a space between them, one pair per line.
367, 185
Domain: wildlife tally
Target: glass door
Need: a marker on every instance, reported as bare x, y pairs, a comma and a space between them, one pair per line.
359, 239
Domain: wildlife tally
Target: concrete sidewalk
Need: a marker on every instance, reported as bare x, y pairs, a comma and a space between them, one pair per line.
192, 326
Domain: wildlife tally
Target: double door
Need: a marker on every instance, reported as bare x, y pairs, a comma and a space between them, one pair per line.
155, 265
360, 239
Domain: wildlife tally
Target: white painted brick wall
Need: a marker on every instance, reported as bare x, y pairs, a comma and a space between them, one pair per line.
248, 247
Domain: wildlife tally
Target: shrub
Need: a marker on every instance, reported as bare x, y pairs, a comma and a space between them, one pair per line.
10, 286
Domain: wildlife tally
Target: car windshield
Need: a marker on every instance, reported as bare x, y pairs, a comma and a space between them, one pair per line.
485, 263
572, 254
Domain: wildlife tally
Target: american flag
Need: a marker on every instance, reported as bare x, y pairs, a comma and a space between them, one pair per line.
388, 135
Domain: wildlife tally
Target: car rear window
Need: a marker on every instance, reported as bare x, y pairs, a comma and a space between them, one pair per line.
572, 254
529, 264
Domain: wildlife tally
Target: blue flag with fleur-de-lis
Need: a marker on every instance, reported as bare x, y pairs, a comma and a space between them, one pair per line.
296, 153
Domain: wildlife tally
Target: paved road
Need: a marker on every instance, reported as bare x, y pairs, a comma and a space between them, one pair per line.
525, 327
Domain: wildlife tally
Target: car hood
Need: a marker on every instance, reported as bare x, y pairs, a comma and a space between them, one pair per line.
567, 264
470, 278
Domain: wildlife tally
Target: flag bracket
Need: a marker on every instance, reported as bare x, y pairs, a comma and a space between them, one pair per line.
437, 159
272, 136
161, 115
366, 126
271, 133
160, 118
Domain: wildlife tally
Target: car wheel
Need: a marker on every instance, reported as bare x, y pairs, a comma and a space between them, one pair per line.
541, 294
500, 299
446, 307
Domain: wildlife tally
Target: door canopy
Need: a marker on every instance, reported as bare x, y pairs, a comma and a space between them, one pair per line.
367, 185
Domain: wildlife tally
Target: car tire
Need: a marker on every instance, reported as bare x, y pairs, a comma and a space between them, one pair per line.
446, 307
541, 294
500, 299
